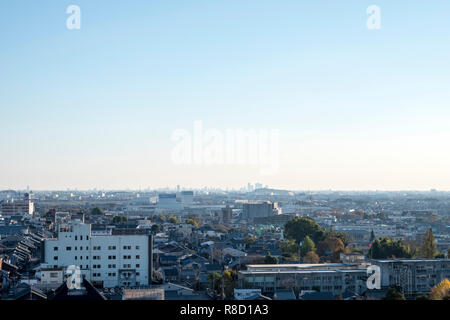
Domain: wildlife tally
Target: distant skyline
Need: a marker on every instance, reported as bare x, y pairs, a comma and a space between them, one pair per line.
356, 109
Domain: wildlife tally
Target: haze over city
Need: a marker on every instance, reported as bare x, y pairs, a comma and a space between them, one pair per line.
355, 109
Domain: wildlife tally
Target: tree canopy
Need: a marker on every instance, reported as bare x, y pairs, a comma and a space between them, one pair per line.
299, 228
441, 291
311, 257
173, 220
97, 212
269, 259
194, 221
290, 249
394, 294
428, 250
307, 246
155, 228
386, 248
119, 219
331, 246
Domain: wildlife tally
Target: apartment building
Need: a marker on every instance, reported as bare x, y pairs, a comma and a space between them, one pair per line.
18, 207
108, 259
414, 276
335, 278
257, 209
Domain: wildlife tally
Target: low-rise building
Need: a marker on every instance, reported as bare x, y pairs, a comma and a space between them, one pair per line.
414, 276
335, 278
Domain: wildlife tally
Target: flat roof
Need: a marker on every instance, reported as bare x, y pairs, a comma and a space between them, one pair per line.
249, 272
294, 265
410, 260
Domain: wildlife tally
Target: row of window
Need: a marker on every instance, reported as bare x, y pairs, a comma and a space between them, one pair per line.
110, 274
55, 258
70, 248
81, 238
110, 266
114, 248
96, 248
114, 257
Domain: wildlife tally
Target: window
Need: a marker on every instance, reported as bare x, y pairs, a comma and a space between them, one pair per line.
96, 248
111, 266
53, 275
112, 248
76, 258
68, 248
96, 257
111, 257
81, 237
87, 257
138, 266
126, 247
76, 237
126, 257
55, 258
137, 247
138, 257
55, 249
81, 257
137, 273
87, 237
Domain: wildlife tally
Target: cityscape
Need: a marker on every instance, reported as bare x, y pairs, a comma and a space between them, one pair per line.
224, 158
256, 243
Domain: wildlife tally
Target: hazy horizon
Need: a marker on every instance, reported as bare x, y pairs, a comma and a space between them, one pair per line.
353, 108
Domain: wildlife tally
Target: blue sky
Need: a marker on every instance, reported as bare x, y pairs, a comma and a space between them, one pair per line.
96, 107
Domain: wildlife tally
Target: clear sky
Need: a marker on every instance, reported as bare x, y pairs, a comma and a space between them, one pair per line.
356, 109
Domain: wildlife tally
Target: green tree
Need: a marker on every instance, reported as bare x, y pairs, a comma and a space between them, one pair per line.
229, 280
372, 236
173, 220
394, 294
340, 235
299, 228
97, 212
428, 250
155, 228
307, 246
249, 241
193, 221
214, 280
311, 257
386, 248
119, 219
269, 259
290, 250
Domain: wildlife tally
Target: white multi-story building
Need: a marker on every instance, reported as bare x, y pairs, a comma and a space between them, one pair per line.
110, 259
